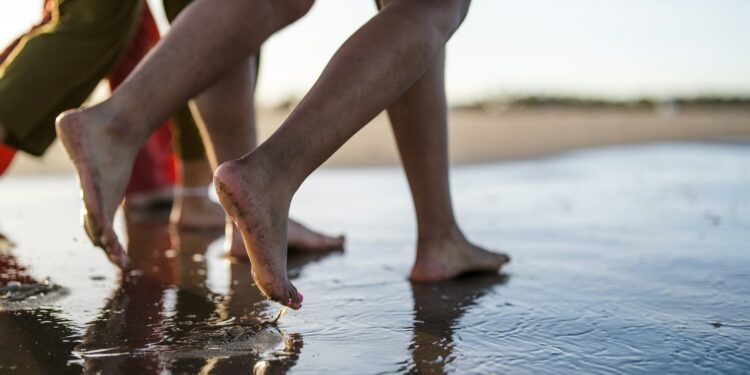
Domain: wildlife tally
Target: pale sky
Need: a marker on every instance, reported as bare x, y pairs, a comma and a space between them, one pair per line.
610, 48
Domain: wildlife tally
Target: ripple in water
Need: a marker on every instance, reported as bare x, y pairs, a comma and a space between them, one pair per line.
639, 271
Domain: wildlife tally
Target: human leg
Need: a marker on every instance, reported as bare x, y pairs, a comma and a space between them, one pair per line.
153, 178
228, 106
419, 119
227, 111
370, 71
102, 140
192, 208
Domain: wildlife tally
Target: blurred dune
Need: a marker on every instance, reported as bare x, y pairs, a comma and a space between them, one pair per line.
492, 133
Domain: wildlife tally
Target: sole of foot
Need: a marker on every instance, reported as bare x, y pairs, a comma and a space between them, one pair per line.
246, 195
102, 173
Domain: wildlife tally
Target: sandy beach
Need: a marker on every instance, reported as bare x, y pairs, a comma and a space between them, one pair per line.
592, 215
629, 259
499, 133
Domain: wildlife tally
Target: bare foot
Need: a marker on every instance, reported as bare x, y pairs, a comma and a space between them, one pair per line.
299, 238
103, 162
196, 212
447, 258
260, 211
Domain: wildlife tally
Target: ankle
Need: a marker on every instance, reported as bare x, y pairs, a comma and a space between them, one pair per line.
193, 196
439, 233
119, 123
195, 173
269, 170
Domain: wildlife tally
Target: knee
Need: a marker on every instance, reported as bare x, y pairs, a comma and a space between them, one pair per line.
460, 10
449, 14
434, 21
443, 16
291, 10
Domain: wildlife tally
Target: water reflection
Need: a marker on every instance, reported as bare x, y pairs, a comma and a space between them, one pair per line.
437, 310
653, 284
165, 317
36, 342
31, 340
134, 317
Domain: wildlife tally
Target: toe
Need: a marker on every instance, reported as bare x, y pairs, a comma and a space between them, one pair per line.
295, 298
115, 252
279, 291
121, 258
93, 231
330, 243
503, 258
286, 295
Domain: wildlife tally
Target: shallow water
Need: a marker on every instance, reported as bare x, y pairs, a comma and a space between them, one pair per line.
625, 260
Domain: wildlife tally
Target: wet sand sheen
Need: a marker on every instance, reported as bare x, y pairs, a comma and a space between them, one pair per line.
625, 260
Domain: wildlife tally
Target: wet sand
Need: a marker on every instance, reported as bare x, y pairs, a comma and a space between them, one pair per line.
625, 260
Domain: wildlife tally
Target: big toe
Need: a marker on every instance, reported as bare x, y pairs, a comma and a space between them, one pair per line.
115, 252
120, 259
281, 291
286, 295
497, 260
106, 238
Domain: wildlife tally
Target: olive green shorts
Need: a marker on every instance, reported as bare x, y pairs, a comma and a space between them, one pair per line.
56, 67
